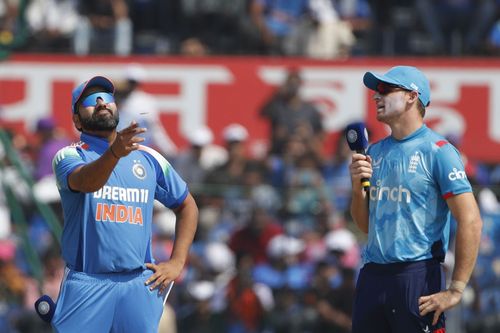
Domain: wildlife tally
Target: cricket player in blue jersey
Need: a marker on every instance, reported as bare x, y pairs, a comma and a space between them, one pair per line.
108, 183
417, 178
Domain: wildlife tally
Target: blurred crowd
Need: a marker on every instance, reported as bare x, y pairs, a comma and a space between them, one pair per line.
325, 29
275, 250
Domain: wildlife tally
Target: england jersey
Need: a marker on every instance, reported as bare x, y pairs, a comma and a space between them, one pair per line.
110, 230
412, 178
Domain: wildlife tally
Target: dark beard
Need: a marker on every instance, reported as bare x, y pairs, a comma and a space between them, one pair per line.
95, 123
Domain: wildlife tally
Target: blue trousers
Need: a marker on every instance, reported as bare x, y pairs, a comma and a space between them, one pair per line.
387, 297
115, 302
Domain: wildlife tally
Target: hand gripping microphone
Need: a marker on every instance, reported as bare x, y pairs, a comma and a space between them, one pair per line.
357, 139
45, 308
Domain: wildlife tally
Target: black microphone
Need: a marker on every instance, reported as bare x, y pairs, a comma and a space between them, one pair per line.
45, 308
357, 139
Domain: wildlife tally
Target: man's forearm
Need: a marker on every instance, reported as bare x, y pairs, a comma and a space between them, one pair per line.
187, 221
359, 210
466, 249
91, 177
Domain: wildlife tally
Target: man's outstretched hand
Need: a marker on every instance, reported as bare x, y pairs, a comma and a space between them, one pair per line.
127, 140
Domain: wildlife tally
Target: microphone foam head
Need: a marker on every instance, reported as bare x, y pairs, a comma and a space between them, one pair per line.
357, 136
45, 308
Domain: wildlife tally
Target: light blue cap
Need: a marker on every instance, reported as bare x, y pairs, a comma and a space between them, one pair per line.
96, 81
407, 77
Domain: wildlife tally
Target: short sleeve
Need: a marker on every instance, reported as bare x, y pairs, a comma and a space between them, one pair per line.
449, 171
171, 189
65, 161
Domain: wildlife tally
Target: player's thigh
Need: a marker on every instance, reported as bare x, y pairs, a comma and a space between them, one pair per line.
139, 309
84, 305
368, 312
407, 290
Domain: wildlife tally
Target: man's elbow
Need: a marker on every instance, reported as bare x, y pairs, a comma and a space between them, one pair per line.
477, 226
360, 223
363, 227
188, 208
84, 187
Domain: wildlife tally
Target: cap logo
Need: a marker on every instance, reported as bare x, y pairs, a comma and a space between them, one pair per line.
414, 86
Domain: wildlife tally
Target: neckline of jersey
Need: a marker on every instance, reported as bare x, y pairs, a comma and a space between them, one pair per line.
422, 129
98, 143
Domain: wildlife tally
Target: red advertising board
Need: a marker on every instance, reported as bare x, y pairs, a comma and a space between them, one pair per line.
218, 91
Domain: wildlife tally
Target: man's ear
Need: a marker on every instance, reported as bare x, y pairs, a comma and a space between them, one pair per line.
414, 96
76, 121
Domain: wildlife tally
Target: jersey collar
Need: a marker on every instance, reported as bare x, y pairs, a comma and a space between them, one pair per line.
415, 134
96, 143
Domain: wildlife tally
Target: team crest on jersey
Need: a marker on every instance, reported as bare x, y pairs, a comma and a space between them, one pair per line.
138, 170
414, 161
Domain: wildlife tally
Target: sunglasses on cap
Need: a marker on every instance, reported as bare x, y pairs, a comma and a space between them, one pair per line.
387, 88
91, 100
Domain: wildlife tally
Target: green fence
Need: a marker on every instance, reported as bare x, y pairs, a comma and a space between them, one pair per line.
9, 158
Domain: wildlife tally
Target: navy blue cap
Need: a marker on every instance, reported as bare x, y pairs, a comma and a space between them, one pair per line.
96, 81
407, 77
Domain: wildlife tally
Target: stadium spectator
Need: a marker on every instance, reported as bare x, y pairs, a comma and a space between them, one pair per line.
457, 27
51, 139
358, 14
288, 113
306, 194
230, 173
335, 171
246, 311
10, 25
140, 106
253, 238
156, 25
201, 317
333, 290
52, 24
17, 293
282, 26
200, 157
104, 26
330, 36
208, 23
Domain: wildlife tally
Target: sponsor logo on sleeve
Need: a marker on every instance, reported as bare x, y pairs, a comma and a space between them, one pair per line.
457, 175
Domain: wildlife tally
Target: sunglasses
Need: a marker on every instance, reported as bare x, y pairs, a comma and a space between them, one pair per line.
91, 100
386, 88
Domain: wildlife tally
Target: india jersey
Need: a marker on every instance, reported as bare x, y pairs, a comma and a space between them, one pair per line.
110, 230
412, 178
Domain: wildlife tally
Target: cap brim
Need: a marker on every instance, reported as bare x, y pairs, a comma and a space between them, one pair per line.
372, 80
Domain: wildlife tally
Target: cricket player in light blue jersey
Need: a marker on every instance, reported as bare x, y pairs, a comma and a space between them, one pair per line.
417, 178
108, 183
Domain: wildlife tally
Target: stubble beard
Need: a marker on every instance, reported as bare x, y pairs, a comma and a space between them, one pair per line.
100, 123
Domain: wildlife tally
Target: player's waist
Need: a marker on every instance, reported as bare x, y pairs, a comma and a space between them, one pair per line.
123, 276
400, 267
